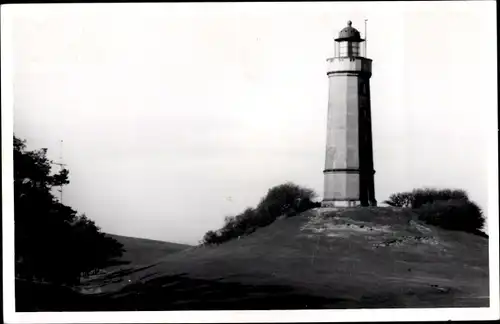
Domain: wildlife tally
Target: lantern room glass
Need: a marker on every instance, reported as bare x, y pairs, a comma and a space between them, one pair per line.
347, 48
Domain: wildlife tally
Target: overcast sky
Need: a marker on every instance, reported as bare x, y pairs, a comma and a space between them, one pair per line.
174, 116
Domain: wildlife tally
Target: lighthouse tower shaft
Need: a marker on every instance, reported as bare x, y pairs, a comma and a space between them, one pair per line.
349, 172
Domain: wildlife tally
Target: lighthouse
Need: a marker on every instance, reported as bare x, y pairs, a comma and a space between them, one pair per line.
349, 172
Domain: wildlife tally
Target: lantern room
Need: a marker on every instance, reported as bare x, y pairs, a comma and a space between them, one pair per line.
348, 44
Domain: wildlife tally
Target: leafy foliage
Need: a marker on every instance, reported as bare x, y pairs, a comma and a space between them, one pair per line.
446, 208
453, 214
427, 196
400, 199
419, 197
284, 200
52, 242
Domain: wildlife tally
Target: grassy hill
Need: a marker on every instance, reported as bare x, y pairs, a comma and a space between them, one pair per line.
352, 258
140, 251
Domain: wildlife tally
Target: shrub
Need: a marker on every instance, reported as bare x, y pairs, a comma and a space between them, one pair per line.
453, 214
282, 200
446, 208
211, 237
287, 199
401, 199
421, 197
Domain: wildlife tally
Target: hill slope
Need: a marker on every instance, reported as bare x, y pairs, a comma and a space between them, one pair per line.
353, 258
364, 257
140, 251
41, 296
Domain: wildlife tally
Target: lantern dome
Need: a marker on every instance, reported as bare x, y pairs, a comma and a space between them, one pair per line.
349, 33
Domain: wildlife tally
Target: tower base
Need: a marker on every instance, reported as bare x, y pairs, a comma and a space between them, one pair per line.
345, 203
340, 203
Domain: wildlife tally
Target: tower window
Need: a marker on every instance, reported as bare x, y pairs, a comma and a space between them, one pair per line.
343, 51
354, 48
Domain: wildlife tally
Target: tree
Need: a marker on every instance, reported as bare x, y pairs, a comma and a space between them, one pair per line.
52, 242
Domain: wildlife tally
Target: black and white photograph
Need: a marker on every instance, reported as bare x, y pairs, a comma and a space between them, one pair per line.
249, 162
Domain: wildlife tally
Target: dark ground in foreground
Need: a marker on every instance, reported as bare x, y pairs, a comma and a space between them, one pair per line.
370, 258
183, 293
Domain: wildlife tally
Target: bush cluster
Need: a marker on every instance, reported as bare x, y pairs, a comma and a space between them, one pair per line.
400, 199
446, 208
420, 197
429, 196
453, 214
52, 242
284, 200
